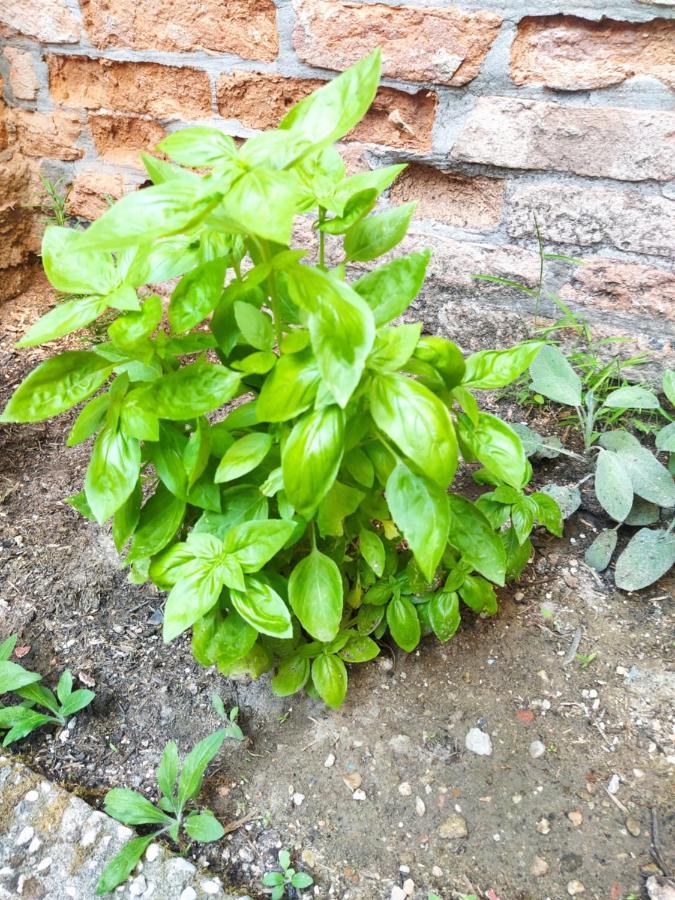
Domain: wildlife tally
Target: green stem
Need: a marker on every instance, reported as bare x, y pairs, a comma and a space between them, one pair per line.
322, 239
274, 297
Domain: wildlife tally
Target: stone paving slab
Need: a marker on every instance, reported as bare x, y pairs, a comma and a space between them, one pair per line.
53, 846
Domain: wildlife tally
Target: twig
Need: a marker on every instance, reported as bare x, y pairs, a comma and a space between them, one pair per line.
236, 825
571, 654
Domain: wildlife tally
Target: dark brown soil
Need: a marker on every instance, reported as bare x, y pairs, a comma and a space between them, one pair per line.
402, 728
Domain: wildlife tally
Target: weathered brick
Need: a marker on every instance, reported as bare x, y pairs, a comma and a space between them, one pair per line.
46, 20
19, 236
442, 45
569, 53
89, 194
143, 87
458, 200
244, 27
22, 75
622, 287
627, 219
612, 142
260, 100
120, 139
48, 134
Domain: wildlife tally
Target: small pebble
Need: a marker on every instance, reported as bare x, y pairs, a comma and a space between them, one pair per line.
298, 799
404, 789
575, 817
537, 749
359, 795
613, 784
330, 760
437, 872
397, 893
420, 808
44, 864
478, 742
138, 886
188, 894
539, 867
543, 826
25, 836
633, 826
408, 887
453, 827
574, 888
352, 780
210, 887
152, 853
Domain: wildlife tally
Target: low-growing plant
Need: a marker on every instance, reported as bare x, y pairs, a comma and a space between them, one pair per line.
232, 729
271, 449
630, 483
19, 721
174, 815
286, 882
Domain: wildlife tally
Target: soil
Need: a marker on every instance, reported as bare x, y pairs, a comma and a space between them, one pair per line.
593, 809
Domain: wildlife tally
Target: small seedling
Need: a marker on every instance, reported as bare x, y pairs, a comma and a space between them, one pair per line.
585, 659
174, 814
55, 202
232, 730
19, 721
282, 882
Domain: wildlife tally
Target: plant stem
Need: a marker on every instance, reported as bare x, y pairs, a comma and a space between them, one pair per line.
322, 239
274, 297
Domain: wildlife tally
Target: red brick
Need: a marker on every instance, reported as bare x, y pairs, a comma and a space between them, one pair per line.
443, 45
46, 20
121, 139
48, 134
22, 75
458, 200
89, 194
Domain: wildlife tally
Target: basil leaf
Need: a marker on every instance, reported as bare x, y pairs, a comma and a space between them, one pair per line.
393, 347
479, 595
291, 676
315, 595
56, 385
112, 473
416, 420
444, 614
390, 289
65, 317
196, 295
372, 550
404, 626
359, 648
445, 357
329, 677
499, 448
193, 391
377, 234
160, 519
253, 544
311, 458
89, 421
198, 145
340, 501
472, 534
194, 594
490, 369
73, 269
289, 389
420, 509
243, 456
263, 608
255, 325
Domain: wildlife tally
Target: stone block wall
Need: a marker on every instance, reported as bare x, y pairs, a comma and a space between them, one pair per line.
510, 116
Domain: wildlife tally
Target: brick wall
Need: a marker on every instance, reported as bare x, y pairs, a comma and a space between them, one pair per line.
505, 112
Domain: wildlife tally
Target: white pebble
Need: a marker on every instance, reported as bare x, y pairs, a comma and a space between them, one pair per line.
408, 887
298, 799
31, 796
330, 760
397, 893
359, 795
188, 894
420, 808
478, 742
613, 785
44, 864
34, 845
210, 887
537, 749
404, 789
152, 853
25, 835
138, 886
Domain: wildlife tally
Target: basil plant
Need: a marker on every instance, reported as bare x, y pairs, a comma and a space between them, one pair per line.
272, 451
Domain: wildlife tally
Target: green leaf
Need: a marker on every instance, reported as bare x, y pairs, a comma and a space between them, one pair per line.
357, 206
311, 458
254, 544
665, 438
334, 109
56, 385
411, 416
599, 554
420, 509
479, 595
133, 808
555, 378
66, 317
548, 512
198, 146
498, 447
167, 772
642, 513
194, 594
243, 456
650, 479
390, 289
444, 614
272, 879
7, 647
263, 202
289, 389
357, 185
196, 295
255, 325
393, 347
72, 269
263, 608
471, 534
90, 420
112, 472
632, 397
377, 234
341, 328
648, 556
404, 626
65, 686
567, 498
445, 357
22, 721
143, 216
195, 765
329, 676
340, 501
490, 369
359, 648
302, 880
203, 827
372, 550
193, 391
13, 676
121, 866
315, 595
613, 486
291, 676
75, 702
41, 695
669, 385
232, 639
360, 467
240, 503
160, 519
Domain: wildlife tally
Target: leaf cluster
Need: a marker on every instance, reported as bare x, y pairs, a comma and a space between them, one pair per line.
288, 878
174, 814
270, 448
20, 720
